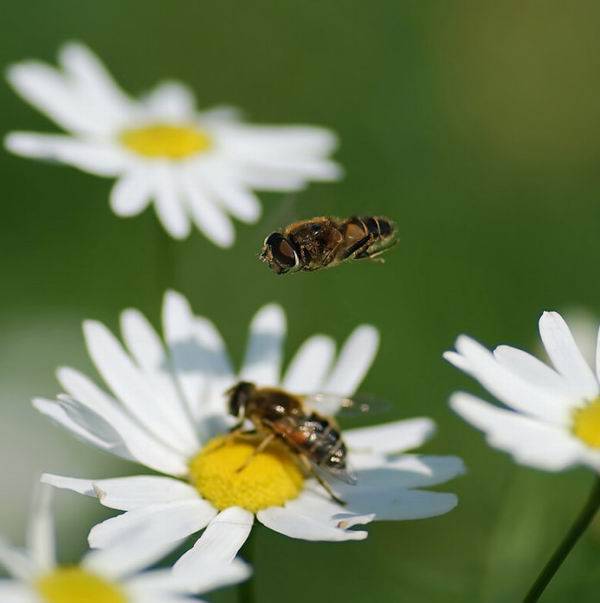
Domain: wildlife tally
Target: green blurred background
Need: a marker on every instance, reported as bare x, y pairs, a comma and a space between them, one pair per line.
476, 125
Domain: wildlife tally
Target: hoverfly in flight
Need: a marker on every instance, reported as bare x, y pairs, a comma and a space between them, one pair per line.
324, 242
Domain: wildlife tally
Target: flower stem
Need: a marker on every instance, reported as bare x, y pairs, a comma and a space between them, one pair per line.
246, 590
577, 529
165, 260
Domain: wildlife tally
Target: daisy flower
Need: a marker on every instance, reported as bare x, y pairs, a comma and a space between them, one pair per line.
113, 575
195, 166
168, 412
552, 415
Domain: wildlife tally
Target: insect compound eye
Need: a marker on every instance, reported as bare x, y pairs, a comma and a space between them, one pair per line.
239, 396
283, 253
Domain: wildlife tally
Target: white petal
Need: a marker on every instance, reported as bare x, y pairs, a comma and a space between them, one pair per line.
156, 524
227, 191
304, 141
354, 361
208, 217
171, 101
147, 349
268, 149
131, 193
47, 90
509, 387
13, 591
200, 361
143, 447
310, 169
204, 578
95, 86
530, 369
307, 370
387, 438
129, 385
82, 486
220, 115
168, 202
296, 522
405, 471
598, 355
565, 354
221, 541
128, 493
400, 504
161, 597
267, 180
460, 362
99, 158
314, 502
529, 441
57, 413
128, 556
40, 531
262, 363
15, 562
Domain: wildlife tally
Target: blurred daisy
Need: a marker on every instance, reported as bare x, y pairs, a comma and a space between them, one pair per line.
168, 412
552, 419
113, 575
584, 327
198, 167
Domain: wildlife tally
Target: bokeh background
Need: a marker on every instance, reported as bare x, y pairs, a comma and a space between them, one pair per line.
476, 125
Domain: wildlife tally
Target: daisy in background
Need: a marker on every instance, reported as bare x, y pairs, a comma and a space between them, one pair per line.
113, 575
195, 166
551, 418
584, 327
167, 411
551, 414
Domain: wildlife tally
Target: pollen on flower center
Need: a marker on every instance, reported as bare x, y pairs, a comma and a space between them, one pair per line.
166, 140
586, 423
228, 472
76, 585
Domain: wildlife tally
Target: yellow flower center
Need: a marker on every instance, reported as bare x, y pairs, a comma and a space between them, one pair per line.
165, 140
76, 585
228, 472
586, 423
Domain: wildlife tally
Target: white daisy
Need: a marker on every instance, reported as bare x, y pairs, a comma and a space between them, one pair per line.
194, 166
168, 412
113, 575
552, 419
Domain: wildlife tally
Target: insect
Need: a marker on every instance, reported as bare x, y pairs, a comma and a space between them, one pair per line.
277, 414
324, 242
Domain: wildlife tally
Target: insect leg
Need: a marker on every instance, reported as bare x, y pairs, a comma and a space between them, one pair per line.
374, 255
324, 484
265, 442
361, 244
236, 432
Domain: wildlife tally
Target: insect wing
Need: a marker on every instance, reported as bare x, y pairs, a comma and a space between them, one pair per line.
343, 475
332, 404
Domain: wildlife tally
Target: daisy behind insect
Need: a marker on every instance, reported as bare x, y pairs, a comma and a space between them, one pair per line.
167, 410
197, 167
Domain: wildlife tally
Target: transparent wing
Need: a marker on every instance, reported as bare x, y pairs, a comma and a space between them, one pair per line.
285, 213
343, 475
332, 404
